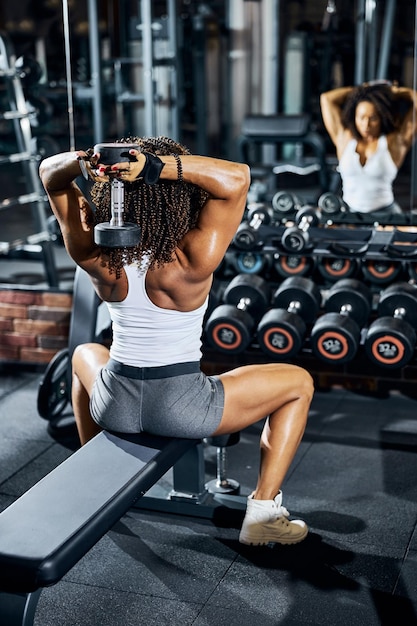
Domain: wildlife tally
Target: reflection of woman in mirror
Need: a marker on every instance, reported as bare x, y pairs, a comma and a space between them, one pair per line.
372, 127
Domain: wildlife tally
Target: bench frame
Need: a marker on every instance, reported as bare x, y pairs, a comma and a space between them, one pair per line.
46, 531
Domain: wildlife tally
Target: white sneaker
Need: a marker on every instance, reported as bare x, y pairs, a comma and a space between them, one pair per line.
266, 521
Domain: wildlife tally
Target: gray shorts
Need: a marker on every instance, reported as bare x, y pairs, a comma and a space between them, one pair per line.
171, 401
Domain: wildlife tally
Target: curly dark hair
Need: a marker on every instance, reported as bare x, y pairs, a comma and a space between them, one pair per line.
383, 100
165, 212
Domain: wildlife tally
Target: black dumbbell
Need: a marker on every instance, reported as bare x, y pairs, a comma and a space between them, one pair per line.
285, 203
335, 268
331, 204
117, 233
381, 271
247, 234
251, 262
282, 329
230, 326
293, 264
390, 340
335, 337
297, 238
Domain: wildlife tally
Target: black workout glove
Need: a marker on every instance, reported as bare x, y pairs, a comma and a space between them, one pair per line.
152, 169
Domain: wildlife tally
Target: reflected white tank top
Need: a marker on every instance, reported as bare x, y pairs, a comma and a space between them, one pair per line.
367, 187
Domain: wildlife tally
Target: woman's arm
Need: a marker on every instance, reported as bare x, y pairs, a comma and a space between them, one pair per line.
331, 104
226, 183
408, 125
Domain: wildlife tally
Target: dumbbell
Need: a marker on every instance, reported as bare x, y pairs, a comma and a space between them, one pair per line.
331, 204
335, 337
297, 238
247, 234
391, 338
251, 262
381, 271
282, 329
117, 233
285, 203
293, 264
230, 326
335, 268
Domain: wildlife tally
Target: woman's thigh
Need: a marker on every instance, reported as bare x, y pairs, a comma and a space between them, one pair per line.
254, 391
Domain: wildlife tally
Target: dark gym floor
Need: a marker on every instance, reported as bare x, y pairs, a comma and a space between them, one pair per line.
353, 481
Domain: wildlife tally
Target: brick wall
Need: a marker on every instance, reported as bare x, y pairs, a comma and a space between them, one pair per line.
34, 324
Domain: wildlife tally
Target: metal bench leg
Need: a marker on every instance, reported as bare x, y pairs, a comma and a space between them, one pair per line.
18, 609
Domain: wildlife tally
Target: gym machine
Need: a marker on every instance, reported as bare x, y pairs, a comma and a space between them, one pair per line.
37, 247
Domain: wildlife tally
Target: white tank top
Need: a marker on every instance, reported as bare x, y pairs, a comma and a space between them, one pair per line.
367, 187
144, 335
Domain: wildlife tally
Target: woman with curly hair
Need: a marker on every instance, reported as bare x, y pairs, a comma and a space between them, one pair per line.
188, 208
372, 127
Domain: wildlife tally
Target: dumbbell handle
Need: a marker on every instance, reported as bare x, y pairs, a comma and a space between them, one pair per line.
243, 304
400, 312
305, 222
346, 309
117, 203
294, 307
257, 220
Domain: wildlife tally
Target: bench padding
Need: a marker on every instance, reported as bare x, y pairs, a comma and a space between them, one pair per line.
48, 529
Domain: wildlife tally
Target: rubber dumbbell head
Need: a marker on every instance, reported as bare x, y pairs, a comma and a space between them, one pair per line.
334, 269
284, 204
391, 339
331, 204
247, 234
335, 337
282, 329
230, 327
293, 265
297, 238
381, 271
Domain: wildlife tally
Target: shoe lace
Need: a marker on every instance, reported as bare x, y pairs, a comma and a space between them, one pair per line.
282, 512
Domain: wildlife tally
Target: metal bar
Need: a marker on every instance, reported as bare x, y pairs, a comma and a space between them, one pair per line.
386, 39
96, 78
148, 88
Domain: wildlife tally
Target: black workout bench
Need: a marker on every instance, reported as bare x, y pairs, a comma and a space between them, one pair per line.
46, 531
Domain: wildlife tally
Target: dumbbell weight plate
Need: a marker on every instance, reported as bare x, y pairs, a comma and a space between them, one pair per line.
335, 338
381, 272
335, 268
126, 236
229, 329
399, 295
390, 342
330, 204
248, 286
249, 262
354, 293
111, 153
302, 290
293, 265
54, 393
284, 203
281, 334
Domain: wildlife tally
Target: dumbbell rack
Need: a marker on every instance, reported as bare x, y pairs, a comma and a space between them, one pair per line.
364, 245
37, 247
